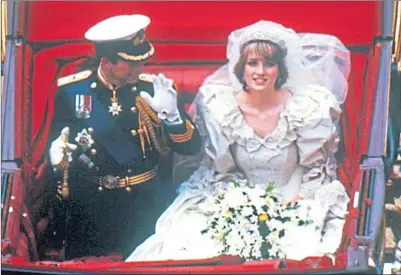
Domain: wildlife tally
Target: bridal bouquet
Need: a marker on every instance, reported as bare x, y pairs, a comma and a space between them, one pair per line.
250, 221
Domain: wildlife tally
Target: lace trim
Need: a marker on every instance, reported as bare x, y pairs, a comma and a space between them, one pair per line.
229, 116
222, 104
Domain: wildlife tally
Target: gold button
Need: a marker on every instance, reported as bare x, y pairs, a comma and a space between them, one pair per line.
134, 89
93, 85
134, 132
133, 109
93, 152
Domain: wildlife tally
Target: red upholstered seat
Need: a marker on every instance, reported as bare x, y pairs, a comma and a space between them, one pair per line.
187, 78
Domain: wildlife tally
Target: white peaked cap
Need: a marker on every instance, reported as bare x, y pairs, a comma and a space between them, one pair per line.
120, 27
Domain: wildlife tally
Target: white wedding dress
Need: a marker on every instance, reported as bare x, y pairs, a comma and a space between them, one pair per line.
298, 156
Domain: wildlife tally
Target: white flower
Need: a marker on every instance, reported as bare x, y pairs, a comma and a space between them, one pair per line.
257, 253
275, 224
286, 213
294, 220
281, 254
272, 237
209, 205
247, 211
256, 192
273, 250
287, 225
235, 242
258, 202
225, 212
253, 219
234, 198
269, 201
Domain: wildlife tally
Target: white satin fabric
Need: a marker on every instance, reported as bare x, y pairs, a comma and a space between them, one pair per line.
298, 156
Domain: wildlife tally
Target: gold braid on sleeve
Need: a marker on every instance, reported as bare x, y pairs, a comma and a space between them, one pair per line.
150, 127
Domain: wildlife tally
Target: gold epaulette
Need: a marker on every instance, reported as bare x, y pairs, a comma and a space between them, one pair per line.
73, 78
146, 77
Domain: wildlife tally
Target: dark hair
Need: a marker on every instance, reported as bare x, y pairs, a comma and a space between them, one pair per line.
106, 50
270, 51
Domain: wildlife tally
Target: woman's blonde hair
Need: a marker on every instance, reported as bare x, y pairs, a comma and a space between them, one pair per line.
271, 52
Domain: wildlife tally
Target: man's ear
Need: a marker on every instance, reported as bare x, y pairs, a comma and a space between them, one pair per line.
106, 63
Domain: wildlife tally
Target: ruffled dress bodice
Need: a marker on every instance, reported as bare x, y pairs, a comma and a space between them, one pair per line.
298, 156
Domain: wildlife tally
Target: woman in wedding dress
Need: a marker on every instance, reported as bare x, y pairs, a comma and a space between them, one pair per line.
265, 116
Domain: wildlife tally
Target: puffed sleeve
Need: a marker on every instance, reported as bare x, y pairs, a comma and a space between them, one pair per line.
217, 162
313, 110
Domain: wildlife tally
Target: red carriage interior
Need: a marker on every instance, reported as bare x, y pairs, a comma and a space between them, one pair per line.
189, 38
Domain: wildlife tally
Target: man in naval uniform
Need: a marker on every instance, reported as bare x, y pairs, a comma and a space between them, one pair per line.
109, 129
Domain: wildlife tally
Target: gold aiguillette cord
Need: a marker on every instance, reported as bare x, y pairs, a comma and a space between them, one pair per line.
141, 135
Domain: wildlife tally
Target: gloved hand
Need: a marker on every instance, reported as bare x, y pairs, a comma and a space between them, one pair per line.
164, 101
58, 145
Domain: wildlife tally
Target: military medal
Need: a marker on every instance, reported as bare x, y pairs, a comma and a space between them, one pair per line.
83, 106
114, 108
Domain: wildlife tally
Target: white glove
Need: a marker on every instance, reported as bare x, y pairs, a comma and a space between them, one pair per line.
164, 101
58, 145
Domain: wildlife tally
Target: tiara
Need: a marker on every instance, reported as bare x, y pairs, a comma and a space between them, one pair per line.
263, 35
